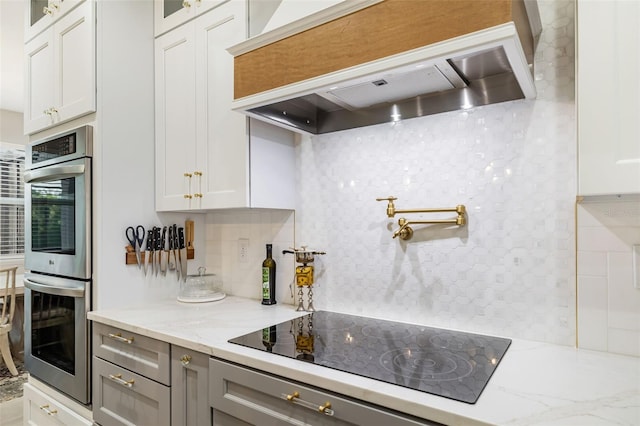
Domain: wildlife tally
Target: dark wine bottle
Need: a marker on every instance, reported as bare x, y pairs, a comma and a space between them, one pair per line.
269, 337
269, 279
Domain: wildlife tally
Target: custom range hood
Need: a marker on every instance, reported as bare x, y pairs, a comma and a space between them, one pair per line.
403, 70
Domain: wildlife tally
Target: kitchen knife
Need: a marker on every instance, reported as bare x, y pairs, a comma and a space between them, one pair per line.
176, 251
183, 254
152, 257
164, 254
158, 249
172, 259
149, 251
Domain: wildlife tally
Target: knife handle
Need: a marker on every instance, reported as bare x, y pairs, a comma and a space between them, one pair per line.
180, 238
157, 239
149, 240
176, 246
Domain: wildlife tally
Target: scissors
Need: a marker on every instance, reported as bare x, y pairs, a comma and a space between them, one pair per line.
136, 237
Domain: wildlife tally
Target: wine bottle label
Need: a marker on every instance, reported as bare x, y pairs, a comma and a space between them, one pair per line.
265, 283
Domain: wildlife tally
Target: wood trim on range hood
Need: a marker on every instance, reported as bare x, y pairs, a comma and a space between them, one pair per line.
383, 37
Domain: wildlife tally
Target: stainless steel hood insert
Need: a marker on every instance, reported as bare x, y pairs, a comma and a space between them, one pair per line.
482, 68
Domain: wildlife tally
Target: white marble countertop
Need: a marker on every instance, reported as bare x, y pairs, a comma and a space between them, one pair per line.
535, 383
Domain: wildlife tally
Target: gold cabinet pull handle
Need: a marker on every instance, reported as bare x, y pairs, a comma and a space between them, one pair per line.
185, 359
188, 175
294, 398
197, 195
186, 4
118, 337
118, 379
325, 407
49, 412
188, 196
197, 173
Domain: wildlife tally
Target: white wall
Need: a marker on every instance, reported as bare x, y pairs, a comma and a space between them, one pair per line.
11, 127
511, 270
124, 159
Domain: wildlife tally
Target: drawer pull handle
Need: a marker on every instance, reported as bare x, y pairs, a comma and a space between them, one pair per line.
118, 379
49, 412
326, 407
294, 398
185, 359
118, 337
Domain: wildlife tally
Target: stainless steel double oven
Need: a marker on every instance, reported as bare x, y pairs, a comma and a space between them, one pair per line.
58, 239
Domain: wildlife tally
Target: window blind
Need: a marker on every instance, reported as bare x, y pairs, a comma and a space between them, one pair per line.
11, 202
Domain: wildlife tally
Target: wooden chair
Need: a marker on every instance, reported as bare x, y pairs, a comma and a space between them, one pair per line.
8, 298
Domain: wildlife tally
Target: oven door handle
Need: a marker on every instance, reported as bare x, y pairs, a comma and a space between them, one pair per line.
53, 173
56, 290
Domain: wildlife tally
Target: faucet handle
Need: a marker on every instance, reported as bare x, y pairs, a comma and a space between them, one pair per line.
391, 208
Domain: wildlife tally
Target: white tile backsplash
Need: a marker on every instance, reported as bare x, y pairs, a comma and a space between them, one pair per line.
606, 234
592, 312
510, 271
259, 227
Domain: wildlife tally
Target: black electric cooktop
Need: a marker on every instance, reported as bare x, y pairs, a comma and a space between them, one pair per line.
442, 362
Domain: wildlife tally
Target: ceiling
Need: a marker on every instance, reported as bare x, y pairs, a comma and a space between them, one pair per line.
11, 48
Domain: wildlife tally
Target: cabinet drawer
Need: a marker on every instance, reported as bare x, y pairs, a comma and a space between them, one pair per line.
261, 399
121, 397
140, 354
41, 409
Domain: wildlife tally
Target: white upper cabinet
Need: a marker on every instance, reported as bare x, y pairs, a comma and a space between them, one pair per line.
60, 71
169, 14
608, 97
175, 88
203, 155
40, 14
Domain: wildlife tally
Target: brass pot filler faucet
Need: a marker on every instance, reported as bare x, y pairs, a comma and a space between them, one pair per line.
405, 232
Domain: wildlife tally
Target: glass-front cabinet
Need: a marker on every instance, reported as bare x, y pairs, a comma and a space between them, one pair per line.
40, 14
172, 13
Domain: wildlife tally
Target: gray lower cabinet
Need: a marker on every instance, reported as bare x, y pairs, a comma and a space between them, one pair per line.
131, 378
241, 396
189, 388
122, 397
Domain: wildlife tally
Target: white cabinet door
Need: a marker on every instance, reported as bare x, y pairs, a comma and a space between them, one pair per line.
169, 14
175, 88
42, 410
201, 145
222, 147
608, 97
39, 82
41, 14
60, 71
